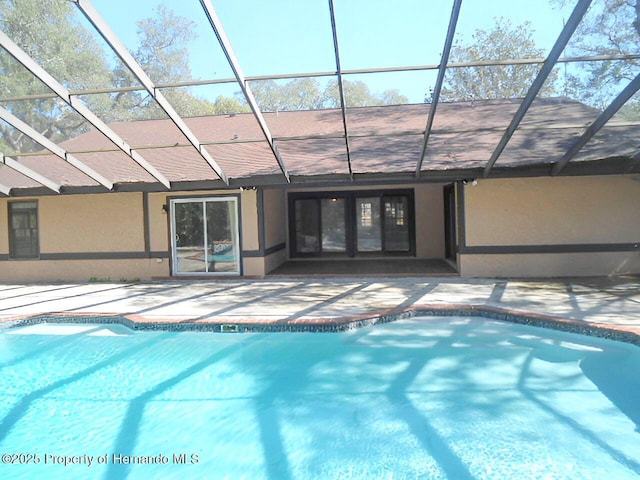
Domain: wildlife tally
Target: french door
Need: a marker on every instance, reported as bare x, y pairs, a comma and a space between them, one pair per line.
352, 223
205, 236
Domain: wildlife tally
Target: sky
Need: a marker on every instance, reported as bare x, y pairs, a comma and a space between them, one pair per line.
294, 36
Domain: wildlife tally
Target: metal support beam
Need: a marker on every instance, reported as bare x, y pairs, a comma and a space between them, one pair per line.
617, 103
343, 99
123, 53
218, 29
561, 42
53, 148
27, 172
360, 71
16, 52
444, 59
5, 190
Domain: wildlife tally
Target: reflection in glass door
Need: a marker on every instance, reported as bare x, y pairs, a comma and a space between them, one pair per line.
396, 224
205, 237
320, 226
333, 225
368, 224
347, 224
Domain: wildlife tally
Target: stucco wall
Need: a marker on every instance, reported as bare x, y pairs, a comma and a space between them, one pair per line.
84, 237
73, 227
560, 226
131, 269
534, 211
91, 223
548, 265
275, 217
274, 208
429, 199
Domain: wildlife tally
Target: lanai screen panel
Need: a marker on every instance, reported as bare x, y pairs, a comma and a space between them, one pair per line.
485, 48
311, 142
553, 125
389, 55
619, 137
401, 64
315, 156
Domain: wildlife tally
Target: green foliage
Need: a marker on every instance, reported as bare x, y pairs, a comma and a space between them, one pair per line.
631, 111
307, 94
611, 27
226, 105
503, 42
49, 31
162, 50
298, 94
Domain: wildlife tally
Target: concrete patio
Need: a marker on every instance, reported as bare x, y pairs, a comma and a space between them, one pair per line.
611, 304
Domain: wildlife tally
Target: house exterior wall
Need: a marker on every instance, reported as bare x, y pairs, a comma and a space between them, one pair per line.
83, 237
429, 200
274, 210
543, 227
109, 237
159, 227
529, 227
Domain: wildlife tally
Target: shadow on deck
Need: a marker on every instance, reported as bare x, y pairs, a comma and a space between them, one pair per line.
377, 267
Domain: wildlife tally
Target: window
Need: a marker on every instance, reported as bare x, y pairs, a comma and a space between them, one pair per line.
23, 230
366, 219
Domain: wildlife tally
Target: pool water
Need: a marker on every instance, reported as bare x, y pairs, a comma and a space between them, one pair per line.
422, 398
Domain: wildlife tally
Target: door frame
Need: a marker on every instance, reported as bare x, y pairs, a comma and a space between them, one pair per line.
450, 221
350, 222
236, 234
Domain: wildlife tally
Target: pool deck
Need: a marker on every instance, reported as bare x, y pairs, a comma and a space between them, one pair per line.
610, 305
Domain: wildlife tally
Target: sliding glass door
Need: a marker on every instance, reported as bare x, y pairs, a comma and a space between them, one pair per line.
205, 237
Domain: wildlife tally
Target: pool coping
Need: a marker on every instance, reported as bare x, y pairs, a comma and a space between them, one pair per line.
334, 324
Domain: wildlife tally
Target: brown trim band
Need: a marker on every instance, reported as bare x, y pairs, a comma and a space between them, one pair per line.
532, 249
94, 256
465, 250
264, 252
133, 255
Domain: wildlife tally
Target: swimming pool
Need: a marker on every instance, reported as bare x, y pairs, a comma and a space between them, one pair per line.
420, 398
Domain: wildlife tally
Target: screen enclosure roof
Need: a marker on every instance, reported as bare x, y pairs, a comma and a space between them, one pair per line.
104, 95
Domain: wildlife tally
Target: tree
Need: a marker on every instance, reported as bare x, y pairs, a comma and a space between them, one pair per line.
163, 54
298, 94
393, 97
50, 33
611, 27
358, 94
307, 94
46, 30
502, 42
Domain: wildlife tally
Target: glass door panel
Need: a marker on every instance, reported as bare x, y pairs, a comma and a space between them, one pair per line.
396, 224
368, 231
222, 254
334, 237
189, 241
205, 236
307, 226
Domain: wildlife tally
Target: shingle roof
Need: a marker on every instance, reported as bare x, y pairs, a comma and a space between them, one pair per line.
383, 140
